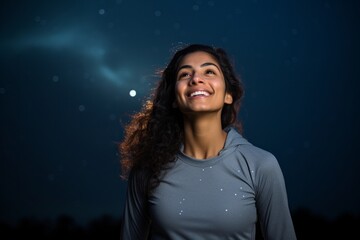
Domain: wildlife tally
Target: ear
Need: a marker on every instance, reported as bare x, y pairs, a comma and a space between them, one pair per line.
228, 98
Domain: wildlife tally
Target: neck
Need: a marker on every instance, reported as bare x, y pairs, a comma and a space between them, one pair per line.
203, 137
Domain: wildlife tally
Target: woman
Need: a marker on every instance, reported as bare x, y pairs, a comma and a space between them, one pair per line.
191, 173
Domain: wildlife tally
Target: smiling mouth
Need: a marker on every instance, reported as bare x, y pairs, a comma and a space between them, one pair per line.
199, 93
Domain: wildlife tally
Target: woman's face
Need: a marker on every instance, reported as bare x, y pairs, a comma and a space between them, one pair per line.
200, 85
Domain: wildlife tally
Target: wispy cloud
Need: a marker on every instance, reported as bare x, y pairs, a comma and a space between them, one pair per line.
76, 42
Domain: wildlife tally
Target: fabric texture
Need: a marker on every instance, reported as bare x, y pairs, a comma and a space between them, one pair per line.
218, 198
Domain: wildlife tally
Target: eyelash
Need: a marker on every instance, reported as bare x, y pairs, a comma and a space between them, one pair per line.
184, 74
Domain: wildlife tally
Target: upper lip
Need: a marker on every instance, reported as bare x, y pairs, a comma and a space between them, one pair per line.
194, 91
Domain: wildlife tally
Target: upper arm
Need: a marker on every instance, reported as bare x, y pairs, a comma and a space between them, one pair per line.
135, 222
271, 200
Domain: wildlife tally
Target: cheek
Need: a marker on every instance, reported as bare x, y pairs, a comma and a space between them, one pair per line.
220, 85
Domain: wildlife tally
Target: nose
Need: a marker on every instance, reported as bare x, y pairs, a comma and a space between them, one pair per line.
196, 79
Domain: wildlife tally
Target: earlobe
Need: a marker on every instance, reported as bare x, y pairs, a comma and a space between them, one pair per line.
228, 98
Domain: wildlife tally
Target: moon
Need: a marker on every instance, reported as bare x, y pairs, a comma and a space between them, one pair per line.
132, 93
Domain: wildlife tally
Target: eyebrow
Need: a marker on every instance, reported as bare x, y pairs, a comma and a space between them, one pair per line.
202, 65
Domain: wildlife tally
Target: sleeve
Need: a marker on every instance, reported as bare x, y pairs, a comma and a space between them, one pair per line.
135, 221
272, 203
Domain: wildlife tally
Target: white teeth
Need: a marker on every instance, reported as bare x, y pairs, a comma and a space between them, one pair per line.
197, 93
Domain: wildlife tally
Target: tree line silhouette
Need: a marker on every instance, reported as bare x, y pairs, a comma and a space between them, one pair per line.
307, 226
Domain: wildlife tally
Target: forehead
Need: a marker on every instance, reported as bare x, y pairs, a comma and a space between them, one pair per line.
198, 58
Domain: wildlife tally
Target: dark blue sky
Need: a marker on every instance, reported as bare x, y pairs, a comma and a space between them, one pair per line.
67, 68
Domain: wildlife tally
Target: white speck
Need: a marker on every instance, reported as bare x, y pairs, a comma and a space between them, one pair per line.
239, 170
210, 166
55, 78
176, 25
86, 75
243, 196
226, 210
240, 187
195, 7
51, 177
132, 93
110, 25
157, 13
235, 194
252, 171
180, 202
183, 199
203, 169
157, 32
200, 179
102, 11
60, 168
84, 163
211, 3
43, 22
112, 117
81, 108
221, 189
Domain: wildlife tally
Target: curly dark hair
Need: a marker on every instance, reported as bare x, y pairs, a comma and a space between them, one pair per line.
154, 135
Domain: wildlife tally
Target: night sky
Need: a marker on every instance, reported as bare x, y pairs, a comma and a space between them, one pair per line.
67, 69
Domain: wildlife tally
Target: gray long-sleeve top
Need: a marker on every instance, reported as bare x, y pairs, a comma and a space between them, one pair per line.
218, 198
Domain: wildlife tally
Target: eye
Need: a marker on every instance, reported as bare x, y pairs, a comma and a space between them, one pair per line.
210, 72
183, 75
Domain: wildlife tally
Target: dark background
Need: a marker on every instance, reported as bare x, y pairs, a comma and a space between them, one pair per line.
67, 67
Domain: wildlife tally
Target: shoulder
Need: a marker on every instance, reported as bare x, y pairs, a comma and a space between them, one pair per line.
256, 154
261, 162
264, 168
246, 148
138, 179
243, 150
